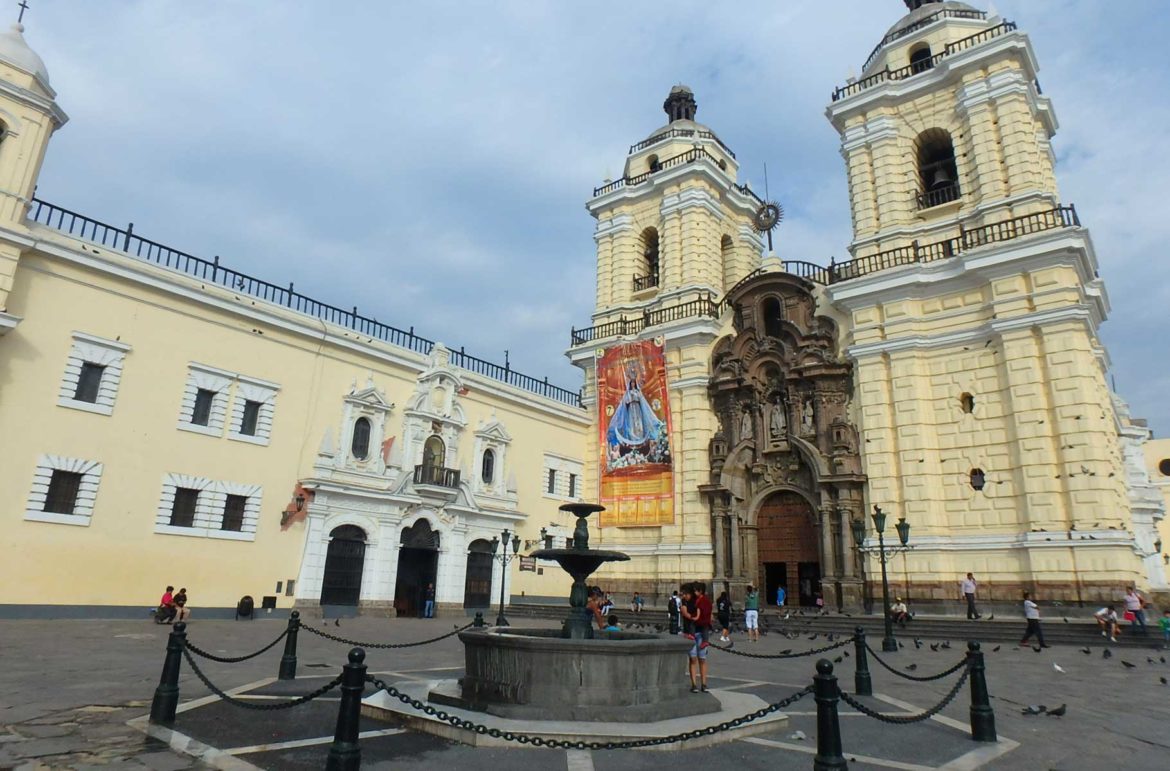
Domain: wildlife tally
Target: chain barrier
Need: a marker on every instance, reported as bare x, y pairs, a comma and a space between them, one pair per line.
962, 663
233, 659
813, 652
561, 744
385, 646
258, 707
908, 719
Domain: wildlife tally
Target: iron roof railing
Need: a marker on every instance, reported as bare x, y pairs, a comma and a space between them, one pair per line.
910, 29
125, 240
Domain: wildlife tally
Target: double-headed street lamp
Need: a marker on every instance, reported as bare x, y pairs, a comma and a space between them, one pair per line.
504, 558
889, 644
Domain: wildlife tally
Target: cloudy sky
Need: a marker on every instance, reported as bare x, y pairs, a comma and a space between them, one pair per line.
429, 161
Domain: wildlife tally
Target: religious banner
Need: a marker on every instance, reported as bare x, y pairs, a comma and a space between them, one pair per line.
637, 485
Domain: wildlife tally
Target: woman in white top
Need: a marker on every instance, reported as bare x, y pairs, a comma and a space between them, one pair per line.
1135, 606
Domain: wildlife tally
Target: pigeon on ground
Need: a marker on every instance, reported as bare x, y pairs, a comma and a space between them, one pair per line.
1057, 667
1059, 711
934, 647
901, 644
1086, 650
1036, 648
336, 622
946, 646
917, 643
1065, 621
798, 736
912, 667
838, 660
846, 654
785, 652
1107, 654
1127, 664
831, 637
1163, 680
1034, 709
991, 617
995, 649
1162, 659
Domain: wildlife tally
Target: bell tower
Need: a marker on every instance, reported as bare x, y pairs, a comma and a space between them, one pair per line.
673, 235
974, 304
28, 117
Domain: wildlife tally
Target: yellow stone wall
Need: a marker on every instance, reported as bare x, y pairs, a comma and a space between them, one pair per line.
169, 321
1157, 451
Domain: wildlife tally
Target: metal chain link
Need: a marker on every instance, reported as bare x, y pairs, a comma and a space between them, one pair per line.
561, 744
962, 663
384, 646
233, 659
908, 719
258, 707
813, 652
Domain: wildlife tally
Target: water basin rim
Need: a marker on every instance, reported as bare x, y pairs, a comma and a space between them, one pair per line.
600, 554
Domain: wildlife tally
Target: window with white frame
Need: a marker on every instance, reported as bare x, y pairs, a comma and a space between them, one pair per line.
199, 507
63, 490
205, 400
252, 410
562, 477
92, 374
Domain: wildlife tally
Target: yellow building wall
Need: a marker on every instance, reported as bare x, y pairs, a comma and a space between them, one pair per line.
118, 559
1158, 464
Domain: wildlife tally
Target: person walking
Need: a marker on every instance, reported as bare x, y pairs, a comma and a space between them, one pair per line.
673, 613
1135, 610
723, 611
1032, 615
429, 603
751, 614
967, 587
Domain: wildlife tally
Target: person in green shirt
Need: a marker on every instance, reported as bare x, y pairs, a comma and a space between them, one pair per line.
751, 614
1164, 623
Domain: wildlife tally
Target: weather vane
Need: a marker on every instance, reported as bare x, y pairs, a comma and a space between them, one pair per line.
23, 7
769, 214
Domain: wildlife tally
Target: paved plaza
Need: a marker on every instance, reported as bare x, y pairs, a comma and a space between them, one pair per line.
75, 695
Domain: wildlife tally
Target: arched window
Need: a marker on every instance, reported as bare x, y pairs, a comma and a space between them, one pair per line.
773, 315
433, 452
488, 467
652, 163
360, 446
967, 403
937, 171
921, 59
978, 479
727, 257
650, 255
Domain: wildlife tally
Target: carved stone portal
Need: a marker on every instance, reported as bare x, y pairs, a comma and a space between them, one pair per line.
782, 496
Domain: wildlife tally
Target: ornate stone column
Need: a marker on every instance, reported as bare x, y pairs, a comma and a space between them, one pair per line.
718, 536
736, 567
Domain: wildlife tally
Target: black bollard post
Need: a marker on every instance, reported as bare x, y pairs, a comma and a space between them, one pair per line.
862, 682
479, 622
982, 715
288, 662
828, 757
166, 695
346, 753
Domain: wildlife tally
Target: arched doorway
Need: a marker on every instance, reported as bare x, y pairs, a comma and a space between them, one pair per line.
477, 590
418, 561
789, 553
342, 582
433, 452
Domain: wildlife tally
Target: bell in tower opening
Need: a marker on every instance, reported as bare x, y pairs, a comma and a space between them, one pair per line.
680, 104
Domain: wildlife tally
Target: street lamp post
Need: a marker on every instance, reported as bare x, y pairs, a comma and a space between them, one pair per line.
504, 558
889, 643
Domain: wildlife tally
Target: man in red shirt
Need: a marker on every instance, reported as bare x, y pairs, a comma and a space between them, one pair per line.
166, 606
701, 619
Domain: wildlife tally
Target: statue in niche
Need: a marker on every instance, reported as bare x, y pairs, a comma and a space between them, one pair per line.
778, 423
808, 419
745, 425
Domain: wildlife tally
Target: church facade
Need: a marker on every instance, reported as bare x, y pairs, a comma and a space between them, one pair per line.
741, 415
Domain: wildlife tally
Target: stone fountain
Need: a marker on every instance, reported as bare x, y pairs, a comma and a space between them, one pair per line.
576, 672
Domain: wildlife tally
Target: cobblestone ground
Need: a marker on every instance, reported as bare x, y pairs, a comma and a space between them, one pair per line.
68, 689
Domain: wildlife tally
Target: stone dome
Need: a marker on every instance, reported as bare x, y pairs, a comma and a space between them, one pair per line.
927, 9
15, 50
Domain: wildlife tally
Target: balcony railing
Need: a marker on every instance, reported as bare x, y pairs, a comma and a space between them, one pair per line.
676, 133
910, 70
701, 307
938, 196
645, 282
436, 476
690, 156
920, 24
125, 240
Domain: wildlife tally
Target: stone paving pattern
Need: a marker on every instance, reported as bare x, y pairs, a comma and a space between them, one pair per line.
68, 688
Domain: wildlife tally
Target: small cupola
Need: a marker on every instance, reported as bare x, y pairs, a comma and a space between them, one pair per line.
914, 5
680, 105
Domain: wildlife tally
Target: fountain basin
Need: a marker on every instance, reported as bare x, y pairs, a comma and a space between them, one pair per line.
614, 677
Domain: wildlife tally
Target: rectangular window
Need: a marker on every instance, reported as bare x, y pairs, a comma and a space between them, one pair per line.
201, 413
63, 489
250, 417
552, 481
88, 382
233, 513
183, 509
572, 485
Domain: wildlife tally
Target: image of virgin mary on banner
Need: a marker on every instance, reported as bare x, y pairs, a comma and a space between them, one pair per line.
636, 479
